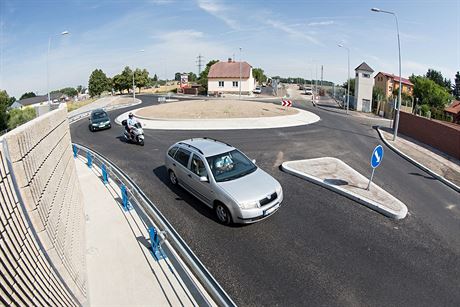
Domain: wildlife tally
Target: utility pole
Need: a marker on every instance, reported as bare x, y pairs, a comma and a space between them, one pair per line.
322, 70
199, 63
239, 96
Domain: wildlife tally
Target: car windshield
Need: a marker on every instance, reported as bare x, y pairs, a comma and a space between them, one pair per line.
99, 115
230, 165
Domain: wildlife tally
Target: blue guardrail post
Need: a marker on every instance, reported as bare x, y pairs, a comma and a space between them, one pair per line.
105, 175
156, 249
89, 158
124, 198
75, 150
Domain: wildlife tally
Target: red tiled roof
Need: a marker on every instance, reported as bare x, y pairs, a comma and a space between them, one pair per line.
454, 107
396, 78
229, 70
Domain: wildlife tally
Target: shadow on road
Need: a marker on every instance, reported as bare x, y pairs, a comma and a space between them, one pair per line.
183, 195
188, 198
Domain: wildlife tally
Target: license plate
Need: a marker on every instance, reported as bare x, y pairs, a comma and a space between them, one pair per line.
270, 210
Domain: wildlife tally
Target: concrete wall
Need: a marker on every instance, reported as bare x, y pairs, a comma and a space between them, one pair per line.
444, 137
42, 242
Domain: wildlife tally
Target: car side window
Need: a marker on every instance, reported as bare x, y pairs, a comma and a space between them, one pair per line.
172, 151
182, 156
197, 166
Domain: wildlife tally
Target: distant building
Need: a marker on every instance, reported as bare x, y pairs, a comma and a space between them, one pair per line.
38, 100
388, 83
364, 84
224, 77
454, 110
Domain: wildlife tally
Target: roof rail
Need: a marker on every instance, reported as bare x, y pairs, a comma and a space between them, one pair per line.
191, 146
208, 138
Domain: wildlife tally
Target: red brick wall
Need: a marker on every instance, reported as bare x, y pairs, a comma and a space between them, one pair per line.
444, 137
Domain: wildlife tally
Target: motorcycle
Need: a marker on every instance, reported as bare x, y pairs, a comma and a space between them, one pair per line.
136, 135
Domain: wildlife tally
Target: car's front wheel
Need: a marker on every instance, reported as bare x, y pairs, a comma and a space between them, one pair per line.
173, 178
222, 214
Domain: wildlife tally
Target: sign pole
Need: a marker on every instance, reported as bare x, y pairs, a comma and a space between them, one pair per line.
370, 180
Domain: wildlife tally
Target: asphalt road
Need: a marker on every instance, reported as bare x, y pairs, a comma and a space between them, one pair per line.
320, 248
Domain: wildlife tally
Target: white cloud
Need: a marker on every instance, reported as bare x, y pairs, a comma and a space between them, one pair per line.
218, 10
292, 31
321, 23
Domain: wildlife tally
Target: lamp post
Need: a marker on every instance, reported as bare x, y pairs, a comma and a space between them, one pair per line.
239, 96
134, 89
398, 104
348, 81
48, 64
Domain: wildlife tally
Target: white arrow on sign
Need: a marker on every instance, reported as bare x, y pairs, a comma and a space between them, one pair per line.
377, 157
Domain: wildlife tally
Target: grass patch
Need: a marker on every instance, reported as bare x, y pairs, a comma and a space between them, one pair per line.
71, 106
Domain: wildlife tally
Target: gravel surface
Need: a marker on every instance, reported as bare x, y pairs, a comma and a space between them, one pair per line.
207, 109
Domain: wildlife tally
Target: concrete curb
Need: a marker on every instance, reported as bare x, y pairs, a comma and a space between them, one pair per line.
300, 119
353, 196
450, 184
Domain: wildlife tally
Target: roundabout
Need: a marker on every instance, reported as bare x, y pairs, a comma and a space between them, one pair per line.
220, 115
319, 247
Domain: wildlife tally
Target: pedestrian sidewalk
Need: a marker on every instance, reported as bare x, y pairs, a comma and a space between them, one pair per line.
433, 159
121, 269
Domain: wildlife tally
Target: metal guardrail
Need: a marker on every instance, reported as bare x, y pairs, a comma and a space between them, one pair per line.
137, 196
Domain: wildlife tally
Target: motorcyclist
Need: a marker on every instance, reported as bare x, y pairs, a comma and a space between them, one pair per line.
130, 123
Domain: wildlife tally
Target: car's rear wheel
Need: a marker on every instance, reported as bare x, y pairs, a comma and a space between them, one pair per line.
222, 214
173, 178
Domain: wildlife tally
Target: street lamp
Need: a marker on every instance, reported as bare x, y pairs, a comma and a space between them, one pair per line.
134, 89
239, 96
398, 105
48, 64
348, 81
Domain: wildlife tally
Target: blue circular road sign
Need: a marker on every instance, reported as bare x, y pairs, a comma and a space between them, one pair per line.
377, 156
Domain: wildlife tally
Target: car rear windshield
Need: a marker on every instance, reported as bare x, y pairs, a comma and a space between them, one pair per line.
230, 165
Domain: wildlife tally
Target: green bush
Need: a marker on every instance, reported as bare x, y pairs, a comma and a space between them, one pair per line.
17, 117
425, 109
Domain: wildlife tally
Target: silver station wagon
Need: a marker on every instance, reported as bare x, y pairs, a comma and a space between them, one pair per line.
225, 179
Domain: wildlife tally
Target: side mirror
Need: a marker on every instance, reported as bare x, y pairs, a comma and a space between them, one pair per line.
253, 161
204, 179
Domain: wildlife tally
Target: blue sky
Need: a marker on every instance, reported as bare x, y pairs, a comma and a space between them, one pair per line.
287, 38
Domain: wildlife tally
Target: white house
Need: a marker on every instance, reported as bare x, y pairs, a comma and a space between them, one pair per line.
364, 84
224, 77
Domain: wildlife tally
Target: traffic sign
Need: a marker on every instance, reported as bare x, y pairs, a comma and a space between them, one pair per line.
376, 159
286, 103
377, 156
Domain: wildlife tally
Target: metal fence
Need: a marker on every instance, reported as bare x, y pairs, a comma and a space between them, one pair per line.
171, 240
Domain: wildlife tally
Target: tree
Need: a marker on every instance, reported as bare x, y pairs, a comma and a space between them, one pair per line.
155, 78
98, 83
259, 75
4, 103
27, 95
11, 100
192, 77
203, 80
17, 117
117, 83
437, 77
457, 85
429, 92
69, 91
141, 78
352, 86
177, 76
